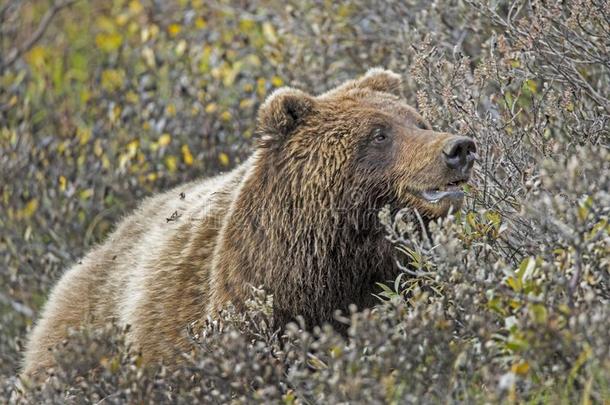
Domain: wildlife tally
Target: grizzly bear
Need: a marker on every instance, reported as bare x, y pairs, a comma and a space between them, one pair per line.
298, 218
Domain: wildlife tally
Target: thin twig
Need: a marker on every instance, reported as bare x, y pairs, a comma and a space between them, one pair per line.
413, 273
35, 37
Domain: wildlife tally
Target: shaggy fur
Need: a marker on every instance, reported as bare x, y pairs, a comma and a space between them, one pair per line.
299, 218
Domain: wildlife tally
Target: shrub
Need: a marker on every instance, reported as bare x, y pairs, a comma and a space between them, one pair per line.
506, 300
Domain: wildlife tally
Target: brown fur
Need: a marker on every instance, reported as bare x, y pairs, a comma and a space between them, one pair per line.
299, 217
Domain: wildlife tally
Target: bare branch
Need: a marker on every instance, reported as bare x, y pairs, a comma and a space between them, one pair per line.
37, 34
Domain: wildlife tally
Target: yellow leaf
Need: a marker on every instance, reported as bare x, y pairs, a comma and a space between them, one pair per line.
344, 11
108, 42
122, 19
149, 57
186, 155
181, 47
30, 208
28, 233
171, 163
514, 283
204, 63
97, 148
170, 110
135, 7
289, 397
37, 56
164, 140
217, 72
269, 33
200, 23
494, 217
230, 73
276, 81
336, 352
62, 183
526, 268
471, 219
83, 134
531, 85
132, 97
132, 148
153, 31
225, 116
115, 113
246, 25
246, 103
62, 147
520, 368
145, 34
85, 95
224, 159
112, 79
538, 313
210, 108
86, 194
174, 29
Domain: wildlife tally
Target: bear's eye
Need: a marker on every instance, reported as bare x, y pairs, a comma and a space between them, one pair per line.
379, 135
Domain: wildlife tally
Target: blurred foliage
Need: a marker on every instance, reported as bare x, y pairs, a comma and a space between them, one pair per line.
103, 103
117, 100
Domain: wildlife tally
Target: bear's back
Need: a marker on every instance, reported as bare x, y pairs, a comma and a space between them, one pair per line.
164, 280
151, 274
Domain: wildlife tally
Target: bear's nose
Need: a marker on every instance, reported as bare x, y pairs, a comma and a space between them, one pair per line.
460, 153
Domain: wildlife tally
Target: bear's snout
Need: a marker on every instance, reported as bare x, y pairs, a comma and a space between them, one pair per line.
459, 153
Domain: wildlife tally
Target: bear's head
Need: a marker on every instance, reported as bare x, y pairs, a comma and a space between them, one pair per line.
360, 143
304, 223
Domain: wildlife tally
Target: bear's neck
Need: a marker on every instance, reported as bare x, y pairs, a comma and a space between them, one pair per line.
313, 252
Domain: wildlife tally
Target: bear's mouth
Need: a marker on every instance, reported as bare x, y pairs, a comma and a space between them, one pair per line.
450, 191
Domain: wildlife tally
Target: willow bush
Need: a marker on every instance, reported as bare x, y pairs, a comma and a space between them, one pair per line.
504, 301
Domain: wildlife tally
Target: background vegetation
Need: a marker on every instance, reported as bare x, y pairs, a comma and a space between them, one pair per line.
102, 103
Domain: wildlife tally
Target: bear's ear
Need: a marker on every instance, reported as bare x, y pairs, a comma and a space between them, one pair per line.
283, 111
379, 79
376, 79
